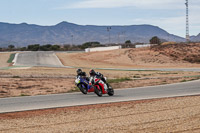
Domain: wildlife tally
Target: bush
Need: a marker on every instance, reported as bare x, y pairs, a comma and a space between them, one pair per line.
169, 43
118, 80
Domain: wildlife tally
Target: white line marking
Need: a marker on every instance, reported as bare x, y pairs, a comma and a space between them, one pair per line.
15, 59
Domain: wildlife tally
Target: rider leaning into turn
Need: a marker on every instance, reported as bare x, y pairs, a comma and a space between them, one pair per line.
94, 74
81, 73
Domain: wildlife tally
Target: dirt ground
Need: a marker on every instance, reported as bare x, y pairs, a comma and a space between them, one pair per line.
3, 59
42, 81
180, 52
167, 56
10, 87
175, 115
180, 114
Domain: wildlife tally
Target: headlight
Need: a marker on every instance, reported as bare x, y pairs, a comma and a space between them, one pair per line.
77, 81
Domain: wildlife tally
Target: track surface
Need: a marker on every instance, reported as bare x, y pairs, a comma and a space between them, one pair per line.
48, 59
74, 99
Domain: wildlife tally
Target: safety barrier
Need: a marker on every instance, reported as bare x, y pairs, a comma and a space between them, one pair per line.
102, 48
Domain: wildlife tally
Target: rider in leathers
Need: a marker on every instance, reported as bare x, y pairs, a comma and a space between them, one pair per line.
81, 73
94, 75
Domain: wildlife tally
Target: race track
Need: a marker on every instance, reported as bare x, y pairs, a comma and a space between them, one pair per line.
74, 99
49, 59
46, 59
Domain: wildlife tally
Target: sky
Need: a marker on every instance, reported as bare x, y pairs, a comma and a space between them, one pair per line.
167, 14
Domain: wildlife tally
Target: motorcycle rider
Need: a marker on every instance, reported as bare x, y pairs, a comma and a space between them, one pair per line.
94, 74
81, 73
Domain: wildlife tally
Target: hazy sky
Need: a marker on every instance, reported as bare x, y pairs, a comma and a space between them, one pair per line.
167, 14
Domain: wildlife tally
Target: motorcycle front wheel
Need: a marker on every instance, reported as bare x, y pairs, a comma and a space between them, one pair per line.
82, 88
98, 91
110, 91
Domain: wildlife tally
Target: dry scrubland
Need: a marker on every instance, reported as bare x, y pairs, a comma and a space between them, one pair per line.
164, 56
41, 81
159, 115
3, 59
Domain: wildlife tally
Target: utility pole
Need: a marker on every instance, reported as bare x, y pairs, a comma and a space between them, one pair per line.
124, 34
187, 22
108, 29
118, 38
72, 36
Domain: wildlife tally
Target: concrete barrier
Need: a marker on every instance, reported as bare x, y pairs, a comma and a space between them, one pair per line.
102, 48
144, 45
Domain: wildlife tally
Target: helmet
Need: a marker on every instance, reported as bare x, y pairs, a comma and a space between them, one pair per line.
92, 72
79, 71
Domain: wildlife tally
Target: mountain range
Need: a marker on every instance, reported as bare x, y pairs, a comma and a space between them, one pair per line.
68, 33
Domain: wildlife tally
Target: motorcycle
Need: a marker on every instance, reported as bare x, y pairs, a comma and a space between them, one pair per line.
83, 84
101, 88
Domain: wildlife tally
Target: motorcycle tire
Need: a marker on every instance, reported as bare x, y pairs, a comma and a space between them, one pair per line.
110, 91
83, 90
97, 91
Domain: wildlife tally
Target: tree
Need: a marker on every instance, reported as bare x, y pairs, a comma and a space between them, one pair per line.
46, 47
155, 40
34, 47
67, 47
23, 49
55, 47
128, 42
90, 44
11, 46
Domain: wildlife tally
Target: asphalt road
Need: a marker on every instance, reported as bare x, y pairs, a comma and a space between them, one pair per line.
47, 59
74, 99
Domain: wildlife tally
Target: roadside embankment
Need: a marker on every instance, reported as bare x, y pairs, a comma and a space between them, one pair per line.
180, 114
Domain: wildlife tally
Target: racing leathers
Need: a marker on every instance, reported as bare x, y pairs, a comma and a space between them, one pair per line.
83, 74
99, 76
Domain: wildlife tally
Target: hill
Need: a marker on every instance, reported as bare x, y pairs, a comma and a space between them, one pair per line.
164, 56
25, 34
195, 38
182, 52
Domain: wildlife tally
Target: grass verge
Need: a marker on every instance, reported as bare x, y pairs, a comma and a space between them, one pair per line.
118, 80
23, 95
12, 56
75, 89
